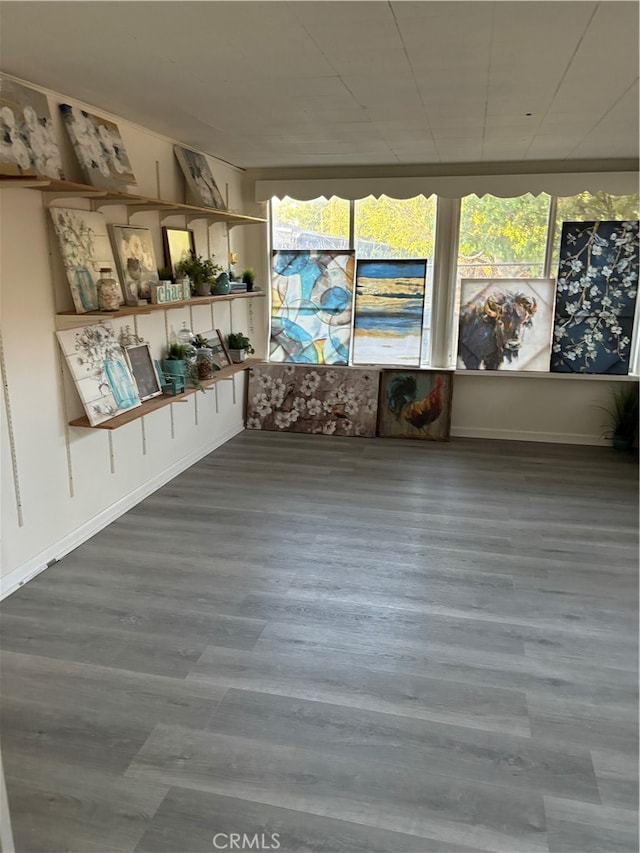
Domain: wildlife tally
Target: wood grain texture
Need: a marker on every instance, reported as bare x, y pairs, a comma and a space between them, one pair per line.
361, 645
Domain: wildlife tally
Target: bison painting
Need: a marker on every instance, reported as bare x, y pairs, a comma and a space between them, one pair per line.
492, 328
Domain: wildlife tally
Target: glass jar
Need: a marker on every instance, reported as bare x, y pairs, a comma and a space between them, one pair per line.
185, 337
205, 366
108, 291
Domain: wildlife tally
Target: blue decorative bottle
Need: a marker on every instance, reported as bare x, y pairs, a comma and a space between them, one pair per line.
121, 384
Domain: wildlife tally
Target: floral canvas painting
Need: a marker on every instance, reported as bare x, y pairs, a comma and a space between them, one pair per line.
136, 261
100, 371
317, 400
99, 149
415, 404
311, 306
595, 303
389, 309
85, 247
199, 178
505, 324
28, 144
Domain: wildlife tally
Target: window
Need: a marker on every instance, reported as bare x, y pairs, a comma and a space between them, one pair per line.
316, 224
399, 229
505, 238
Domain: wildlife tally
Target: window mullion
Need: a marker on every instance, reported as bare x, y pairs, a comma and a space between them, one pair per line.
444, 281
551, 230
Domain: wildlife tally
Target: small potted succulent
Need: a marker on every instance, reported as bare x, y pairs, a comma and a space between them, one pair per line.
175, 364
249, 277
239, 346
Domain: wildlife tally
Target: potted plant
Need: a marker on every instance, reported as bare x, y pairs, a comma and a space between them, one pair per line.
175, 364
239, 346
200, 271
248, 277
623, 413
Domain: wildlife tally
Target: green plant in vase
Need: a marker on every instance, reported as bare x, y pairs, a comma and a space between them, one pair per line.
239, 346
623, 414
249, 277
200, 271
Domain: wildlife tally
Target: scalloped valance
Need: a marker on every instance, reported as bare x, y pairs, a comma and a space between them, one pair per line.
454, 186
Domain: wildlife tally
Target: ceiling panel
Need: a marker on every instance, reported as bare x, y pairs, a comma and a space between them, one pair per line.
326, 83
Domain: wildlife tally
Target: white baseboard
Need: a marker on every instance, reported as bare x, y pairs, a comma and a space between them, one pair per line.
524, 435
33, 567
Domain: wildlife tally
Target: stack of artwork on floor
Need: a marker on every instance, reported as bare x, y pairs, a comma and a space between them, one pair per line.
350, 401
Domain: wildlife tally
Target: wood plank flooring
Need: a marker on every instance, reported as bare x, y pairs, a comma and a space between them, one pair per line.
338, 645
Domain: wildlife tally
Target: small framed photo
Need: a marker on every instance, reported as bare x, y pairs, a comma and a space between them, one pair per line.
220, 352
144, 371
179, 245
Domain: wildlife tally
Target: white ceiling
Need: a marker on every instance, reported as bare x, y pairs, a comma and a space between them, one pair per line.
263, 84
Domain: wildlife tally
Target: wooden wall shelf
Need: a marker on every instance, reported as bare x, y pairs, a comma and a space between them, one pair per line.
56, 189
129, 310
156, 403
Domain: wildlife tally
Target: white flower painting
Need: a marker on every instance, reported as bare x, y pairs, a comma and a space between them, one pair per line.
340, 401
199, 178
596, 296
99, 369
85, 247
99, 149
28, 144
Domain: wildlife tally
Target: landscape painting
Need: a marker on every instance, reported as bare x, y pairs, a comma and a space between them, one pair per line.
596, 299
505, 324
415, 404
28, 144
389, 310
316, 400
311, 306
99, 149
100, 371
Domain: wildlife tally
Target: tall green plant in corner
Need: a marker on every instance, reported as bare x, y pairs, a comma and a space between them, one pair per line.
622, 409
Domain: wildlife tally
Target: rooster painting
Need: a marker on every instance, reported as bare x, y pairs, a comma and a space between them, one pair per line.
417, 404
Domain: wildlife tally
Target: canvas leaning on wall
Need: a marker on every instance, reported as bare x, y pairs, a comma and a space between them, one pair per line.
99, 148
85, 248
199, 178
136, 260
596, 298
415, 404
505, 324
28, 144
99, 369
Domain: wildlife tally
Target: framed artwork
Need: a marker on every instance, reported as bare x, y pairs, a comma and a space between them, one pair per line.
85, 247
200, 182
311, 306
99, 369
415, 404
28, 144
136, 261
505, 323
313, 399
596, 297
143, 370
220, 352
99, 149
389, 310
179, 244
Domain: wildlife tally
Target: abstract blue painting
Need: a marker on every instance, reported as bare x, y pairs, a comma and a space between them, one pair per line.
595, 297
311, 306
389, 312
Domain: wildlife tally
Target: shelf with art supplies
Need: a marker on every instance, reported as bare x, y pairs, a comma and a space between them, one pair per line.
119, 381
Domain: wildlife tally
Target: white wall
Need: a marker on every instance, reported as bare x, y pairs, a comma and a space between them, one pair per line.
74, 481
